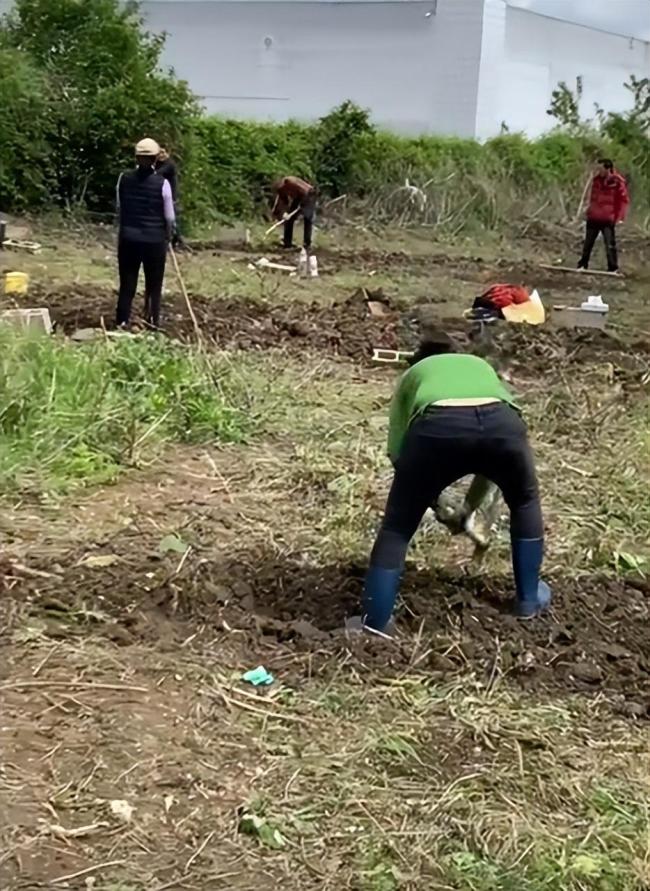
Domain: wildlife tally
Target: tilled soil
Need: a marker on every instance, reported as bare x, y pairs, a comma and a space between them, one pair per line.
595, 638
344, 329
347, 328
472, 267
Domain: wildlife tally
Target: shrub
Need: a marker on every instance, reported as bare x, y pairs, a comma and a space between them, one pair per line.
25, 132
338, 142
232, 164
104, 90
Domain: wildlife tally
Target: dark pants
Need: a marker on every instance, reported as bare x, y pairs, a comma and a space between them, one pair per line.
308, 209
446, 444
131, 255
593, 229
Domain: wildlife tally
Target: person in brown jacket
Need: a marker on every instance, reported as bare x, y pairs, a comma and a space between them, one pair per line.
293, 197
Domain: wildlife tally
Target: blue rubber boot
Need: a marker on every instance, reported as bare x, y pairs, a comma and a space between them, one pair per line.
533, 596
379, 596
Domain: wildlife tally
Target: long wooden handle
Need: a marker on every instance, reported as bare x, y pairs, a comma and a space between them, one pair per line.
281, 222
188, 302
584, 195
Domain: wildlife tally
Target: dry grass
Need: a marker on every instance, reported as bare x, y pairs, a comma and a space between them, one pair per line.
343, 774
344, 780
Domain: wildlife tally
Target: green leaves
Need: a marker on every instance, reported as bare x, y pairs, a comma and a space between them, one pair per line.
102, 90
172, 543
263, 830
625, 562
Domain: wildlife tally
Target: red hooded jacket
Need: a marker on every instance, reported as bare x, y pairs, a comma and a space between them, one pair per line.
609, 199
504, 295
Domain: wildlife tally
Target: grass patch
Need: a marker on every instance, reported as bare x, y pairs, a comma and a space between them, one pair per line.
457, 787
76, 415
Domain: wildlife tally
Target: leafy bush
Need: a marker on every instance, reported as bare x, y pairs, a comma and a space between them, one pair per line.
25, 132
337, 148
232, 164
76, 414
463, 184
103, 91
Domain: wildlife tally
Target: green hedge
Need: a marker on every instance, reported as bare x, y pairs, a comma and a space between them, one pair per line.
81, 82
231, 164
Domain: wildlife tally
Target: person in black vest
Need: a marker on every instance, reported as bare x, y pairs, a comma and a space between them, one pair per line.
166, 167
146, 220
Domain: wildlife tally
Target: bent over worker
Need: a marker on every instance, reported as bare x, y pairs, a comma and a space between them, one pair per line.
451, 416
295, 197
608, 205
146, 220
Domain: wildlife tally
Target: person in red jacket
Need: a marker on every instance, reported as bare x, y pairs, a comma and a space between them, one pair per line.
608, 206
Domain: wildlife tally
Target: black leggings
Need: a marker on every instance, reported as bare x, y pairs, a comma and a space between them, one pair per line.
445, 444
307, 207
131, 255
609, 237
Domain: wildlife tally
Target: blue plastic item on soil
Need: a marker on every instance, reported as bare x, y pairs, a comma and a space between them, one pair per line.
258, 677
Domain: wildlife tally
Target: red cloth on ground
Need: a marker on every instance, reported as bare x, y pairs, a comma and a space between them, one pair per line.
505, 295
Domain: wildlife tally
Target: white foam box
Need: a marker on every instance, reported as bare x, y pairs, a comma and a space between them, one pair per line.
233, 235
37, 320
576, 317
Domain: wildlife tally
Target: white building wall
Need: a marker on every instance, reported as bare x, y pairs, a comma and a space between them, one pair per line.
455, 64
417, 73
456, 67
540, 52
493, 42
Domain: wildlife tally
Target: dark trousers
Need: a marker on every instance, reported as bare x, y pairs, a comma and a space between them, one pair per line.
131, 255
308, 210
445, 444
593, 229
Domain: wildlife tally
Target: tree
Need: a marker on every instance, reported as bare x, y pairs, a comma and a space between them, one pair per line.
105, 86
338, 137
564, 106
25, 130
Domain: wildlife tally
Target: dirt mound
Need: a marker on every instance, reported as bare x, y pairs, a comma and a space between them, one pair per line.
346, 328
349, 328
594, 640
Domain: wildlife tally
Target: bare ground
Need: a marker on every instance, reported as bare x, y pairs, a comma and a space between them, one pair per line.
368, 765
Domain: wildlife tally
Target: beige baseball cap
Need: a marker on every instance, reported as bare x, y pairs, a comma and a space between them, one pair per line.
147, 148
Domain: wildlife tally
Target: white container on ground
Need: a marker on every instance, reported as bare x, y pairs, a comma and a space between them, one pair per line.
37, 320
303, 262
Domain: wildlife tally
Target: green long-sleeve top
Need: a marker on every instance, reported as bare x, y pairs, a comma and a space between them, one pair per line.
438, 378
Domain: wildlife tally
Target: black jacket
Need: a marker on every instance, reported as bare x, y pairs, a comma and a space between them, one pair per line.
141, 206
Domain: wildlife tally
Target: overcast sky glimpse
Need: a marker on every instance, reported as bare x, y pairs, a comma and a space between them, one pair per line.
629, 17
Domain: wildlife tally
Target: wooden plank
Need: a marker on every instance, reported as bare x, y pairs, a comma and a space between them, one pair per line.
581, 271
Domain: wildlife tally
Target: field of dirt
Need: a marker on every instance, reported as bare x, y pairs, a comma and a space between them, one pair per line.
348, 328
596, 638
123, 661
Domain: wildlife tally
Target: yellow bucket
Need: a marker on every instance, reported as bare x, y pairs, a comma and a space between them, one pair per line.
16, 282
